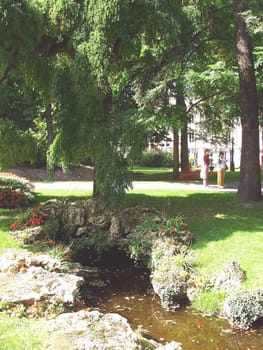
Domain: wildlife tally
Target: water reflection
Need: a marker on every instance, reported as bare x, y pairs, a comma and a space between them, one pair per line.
129, 293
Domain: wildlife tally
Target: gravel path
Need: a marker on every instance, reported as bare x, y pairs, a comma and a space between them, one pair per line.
137, 185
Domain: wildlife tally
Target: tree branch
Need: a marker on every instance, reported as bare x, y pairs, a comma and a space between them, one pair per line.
201, 100
9, 67
49, 46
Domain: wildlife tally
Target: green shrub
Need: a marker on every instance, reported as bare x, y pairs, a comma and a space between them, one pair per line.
156, 159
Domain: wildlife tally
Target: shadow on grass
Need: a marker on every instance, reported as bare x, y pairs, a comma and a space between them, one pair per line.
211, 216
64, 196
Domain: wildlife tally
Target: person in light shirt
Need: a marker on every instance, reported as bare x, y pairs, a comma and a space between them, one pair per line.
221, 170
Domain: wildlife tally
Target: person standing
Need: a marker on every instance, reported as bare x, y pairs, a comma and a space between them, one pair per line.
205, 167
221, 170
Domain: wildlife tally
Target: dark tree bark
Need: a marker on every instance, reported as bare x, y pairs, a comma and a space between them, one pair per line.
184, 150
49, 122
50, 138
175, 154
180, 101
249, 188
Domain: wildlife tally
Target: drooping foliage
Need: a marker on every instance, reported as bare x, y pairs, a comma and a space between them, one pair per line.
12, 140
102, 73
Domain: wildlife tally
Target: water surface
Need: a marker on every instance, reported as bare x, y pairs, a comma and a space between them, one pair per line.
129, 293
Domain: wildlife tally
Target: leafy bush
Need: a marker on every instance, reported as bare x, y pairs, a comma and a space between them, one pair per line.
156, 159
243, 308
15, 192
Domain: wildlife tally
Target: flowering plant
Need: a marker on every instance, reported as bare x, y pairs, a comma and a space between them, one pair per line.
15, 192
142, 238
32, 217
174, 226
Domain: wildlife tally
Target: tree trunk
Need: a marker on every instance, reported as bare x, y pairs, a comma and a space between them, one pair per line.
250, 185
184, 149
49, 122
175, 154
50, 139
180, 102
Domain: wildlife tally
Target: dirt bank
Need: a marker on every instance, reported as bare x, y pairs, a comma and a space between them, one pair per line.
74, 173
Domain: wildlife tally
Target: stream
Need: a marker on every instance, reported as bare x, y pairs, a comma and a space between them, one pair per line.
129, 292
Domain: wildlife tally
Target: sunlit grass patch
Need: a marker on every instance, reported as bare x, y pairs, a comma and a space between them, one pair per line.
21, 333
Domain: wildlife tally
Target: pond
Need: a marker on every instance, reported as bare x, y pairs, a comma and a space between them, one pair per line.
128, 292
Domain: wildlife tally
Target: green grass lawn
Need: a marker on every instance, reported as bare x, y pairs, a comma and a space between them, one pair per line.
22, 334
225, 229
166, 174
6, 218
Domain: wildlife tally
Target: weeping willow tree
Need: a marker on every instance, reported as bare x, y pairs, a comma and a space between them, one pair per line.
82, 57
102, 119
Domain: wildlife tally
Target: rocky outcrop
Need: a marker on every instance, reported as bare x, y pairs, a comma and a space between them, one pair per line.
230, 277
162, 243
88, 216
26, 278
171, 272
91, 330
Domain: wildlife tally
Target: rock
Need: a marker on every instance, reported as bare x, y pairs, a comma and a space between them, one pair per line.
87, 216
116, 228
11, 260
91, 330
53, 209
230, 277
243, 308
29, 235
74, 214
26, 277
171, 346
100, 222
170, 273
37, 284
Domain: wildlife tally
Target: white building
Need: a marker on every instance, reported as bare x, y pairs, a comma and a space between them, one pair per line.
196, 146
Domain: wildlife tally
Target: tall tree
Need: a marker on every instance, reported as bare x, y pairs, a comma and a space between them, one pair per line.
250, 184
